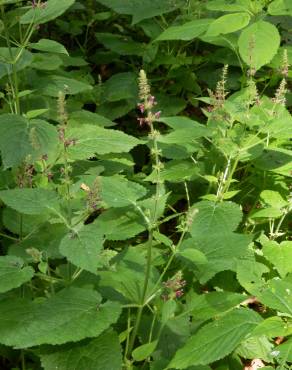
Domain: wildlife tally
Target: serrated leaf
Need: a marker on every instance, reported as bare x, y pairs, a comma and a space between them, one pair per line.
21, 139
71, 315
277, 294
221, 218
210, 305
117, 191
42, 14
141, 10
249, 275
30, 201
13, 273
186, 31
84, 117
102, 353
227, 333
221, 250
180, 122
277, 160
273, 327
53, 84
120, 223
49, 46
259, 35
92, 140
83, 247
227, 24
280, 255
183, 136
120, 86
23, 61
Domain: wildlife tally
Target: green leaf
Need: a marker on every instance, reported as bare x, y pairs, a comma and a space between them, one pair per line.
116, 191
227, 6
69, 316
49, 46
221, 250
283, 352
83, 247
142, 352
210, 305
92, 140
221, 218
84, 117
277, 294
21, 139
181, 122
226, 334
120, 86
24, 60
30, 201
280, 255
102, 353
42, 14
13, 273
141, 9
46, 61
123, 45
253, 43
228, 23
280, 7
184, 135
120, 223
187, 31
277, 160
273, 327
52, 85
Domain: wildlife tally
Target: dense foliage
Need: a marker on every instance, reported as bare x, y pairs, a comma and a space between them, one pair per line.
145, 184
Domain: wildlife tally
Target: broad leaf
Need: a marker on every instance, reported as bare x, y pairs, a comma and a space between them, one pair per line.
221, 250
186, 31
277, 294
21, 139
141, 9
13, 273
121, 45
280, 255
83, 247
84, 117
253, 43
102, 353
30, 201
120, 223
209, 305
280, 7
120, 86
53, 84
221, 218
49, 46
228, 23
24, 60
226, 334
92, 140
69, 316
116, 191
42, 14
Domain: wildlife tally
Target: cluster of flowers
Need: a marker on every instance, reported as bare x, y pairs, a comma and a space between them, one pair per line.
174, 287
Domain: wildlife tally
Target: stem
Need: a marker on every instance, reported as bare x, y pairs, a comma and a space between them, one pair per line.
23, 366
12, 63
